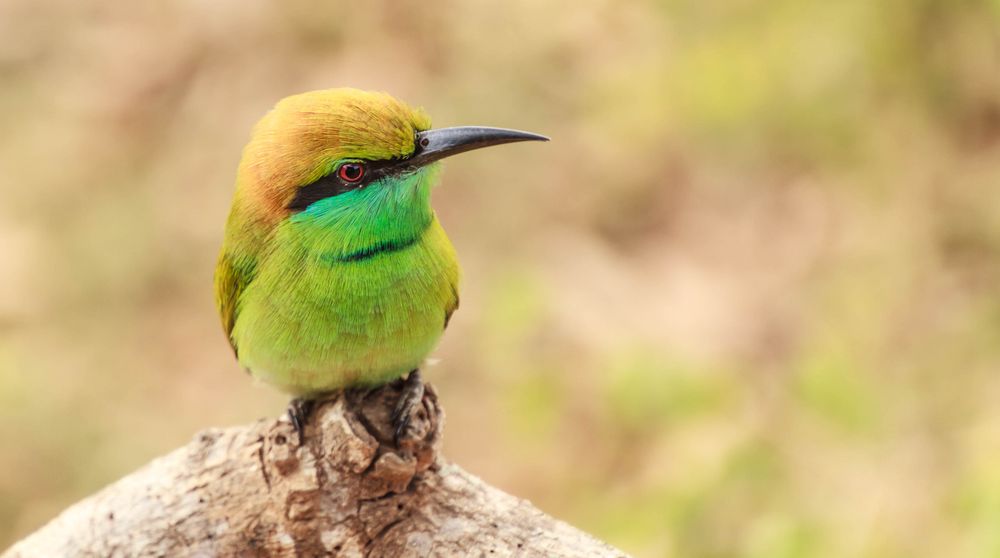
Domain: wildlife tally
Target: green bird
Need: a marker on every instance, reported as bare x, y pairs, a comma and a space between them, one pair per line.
334, 271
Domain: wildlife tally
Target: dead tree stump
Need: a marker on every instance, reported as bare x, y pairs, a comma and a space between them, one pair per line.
348, 490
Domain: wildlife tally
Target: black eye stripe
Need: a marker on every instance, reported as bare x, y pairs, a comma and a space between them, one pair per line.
332, 185
329, 185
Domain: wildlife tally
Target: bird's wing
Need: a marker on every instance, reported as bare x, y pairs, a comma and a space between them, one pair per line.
232, 275
452, 305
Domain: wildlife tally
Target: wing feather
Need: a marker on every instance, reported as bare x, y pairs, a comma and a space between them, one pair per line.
232, 275
450, 309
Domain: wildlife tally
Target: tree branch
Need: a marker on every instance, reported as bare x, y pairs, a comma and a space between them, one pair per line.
347, 491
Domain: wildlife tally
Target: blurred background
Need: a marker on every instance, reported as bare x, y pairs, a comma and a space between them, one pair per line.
745, 303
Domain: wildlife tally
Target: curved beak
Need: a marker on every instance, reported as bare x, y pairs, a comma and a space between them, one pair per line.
434, 145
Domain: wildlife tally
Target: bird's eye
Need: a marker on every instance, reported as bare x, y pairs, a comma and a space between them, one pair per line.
351, 172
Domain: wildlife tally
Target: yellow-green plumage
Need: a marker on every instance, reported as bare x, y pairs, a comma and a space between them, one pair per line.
325, 282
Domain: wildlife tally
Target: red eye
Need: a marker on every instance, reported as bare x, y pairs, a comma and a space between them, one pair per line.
351, 172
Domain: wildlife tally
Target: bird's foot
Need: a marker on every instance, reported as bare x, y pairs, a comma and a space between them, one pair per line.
408, 406
298, 412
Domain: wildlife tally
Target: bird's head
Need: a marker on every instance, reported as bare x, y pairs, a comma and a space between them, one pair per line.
346, 154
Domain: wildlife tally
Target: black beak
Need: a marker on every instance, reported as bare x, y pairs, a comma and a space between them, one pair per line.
434, 145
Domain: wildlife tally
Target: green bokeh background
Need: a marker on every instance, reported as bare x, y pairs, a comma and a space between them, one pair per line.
745, 303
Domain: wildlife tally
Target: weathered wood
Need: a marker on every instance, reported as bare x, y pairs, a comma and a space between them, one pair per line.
347, 491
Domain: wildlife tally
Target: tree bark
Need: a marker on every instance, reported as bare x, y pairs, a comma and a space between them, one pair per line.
347, 490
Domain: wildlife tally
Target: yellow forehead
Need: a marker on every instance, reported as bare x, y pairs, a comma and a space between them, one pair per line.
352, 122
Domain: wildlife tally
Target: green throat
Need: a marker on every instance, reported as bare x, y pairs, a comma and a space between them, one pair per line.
386, 216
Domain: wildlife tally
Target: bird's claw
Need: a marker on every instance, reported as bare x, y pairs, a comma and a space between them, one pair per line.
407, 406
298, 412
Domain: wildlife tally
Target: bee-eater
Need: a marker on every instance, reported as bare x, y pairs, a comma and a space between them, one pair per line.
335, 272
